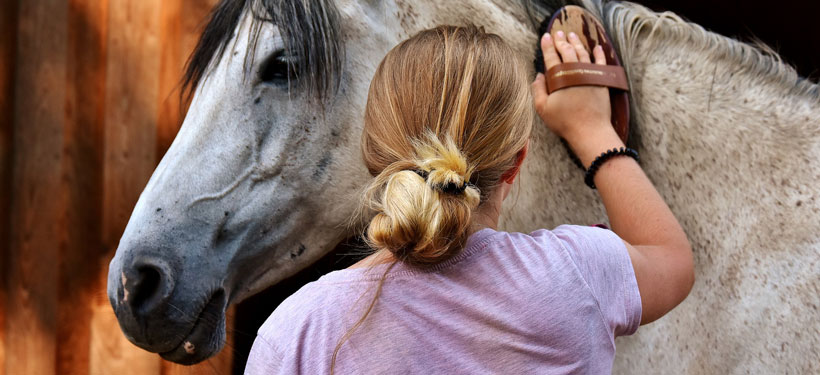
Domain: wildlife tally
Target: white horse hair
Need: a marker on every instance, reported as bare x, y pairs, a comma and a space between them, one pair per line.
265, 170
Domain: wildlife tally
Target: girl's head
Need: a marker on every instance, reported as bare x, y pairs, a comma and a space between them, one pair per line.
447, 115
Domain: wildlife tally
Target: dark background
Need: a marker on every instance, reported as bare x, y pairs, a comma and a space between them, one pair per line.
790, 27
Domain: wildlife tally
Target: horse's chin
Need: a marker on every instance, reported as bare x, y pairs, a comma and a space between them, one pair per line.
206, 337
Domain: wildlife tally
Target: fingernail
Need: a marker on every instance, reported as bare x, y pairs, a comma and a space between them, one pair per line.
572, 35
547, 36
599, 48
560, 34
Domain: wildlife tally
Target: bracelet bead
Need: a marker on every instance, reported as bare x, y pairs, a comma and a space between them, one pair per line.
601, 159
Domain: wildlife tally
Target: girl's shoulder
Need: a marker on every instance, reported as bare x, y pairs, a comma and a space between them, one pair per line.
314, 303
565, 237
295, 311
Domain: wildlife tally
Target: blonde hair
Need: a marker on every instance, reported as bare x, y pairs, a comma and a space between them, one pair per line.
447, 113
453, 103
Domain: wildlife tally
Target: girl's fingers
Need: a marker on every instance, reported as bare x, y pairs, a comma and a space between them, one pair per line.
598, 54
539, 91
580, 50
566, 50
550, 56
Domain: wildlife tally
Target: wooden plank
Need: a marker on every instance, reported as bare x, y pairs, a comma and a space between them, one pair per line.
132, 88
36, 209
171, 64
8, 46
82, 180
131, 91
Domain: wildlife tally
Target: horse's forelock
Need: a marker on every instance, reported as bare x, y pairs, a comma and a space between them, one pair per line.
309, 28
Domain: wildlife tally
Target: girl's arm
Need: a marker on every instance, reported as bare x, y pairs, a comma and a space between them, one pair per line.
659, 250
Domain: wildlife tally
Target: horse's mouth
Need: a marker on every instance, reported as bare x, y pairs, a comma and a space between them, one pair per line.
206, 337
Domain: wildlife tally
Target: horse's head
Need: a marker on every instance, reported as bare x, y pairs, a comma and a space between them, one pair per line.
261, 175
265, 169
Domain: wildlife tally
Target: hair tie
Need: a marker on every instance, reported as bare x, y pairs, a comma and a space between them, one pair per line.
421, 173
452, 188
449, 188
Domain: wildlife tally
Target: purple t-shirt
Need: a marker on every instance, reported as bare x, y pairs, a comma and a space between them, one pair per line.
550, 302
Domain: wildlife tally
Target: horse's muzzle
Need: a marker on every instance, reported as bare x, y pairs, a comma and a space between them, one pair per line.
139, 289
157, 314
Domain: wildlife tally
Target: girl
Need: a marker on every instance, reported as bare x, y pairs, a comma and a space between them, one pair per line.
447, 127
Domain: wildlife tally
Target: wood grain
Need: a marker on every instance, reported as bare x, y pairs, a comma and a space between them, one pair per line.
171, 64
82, 181
89, 102
131, 92
111, 353
132, 88
37, 208
8, 47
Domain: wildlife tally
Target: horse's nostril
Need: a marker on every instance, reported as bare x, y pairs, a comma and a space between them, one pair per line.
150, 286
146, 285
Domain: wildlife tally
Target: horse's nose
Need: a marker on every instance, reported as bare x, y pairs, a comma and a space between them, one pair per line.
141, 288
147, 285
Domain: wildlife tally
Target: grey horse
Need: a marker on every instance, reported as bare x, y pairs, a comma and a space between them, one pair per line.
263, 176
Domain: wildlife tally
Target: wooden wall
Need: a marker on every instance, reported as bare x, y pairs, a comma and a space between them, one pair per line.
88, 105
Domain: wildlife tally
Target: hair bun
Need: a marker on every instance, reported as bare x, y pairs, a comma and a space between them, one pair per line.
423, 205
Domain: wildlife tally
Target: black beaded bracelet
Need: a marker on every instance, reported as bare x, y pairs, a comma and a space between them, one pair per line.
609, 154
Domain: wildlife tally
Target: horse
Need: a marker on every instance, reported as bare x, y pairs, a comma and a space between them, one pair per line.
264, 174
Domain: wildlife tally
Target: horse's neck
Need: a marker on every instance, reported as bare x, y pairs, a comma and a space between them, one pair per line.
729, 135
729, 97
730, 139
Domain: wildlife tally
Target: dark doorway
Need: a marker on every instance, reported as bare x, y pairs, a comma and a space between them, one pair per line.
789, 27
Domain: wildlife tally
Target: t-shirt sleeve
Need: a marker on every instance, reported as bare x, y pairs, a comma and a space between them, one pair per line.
605, 265
263, 358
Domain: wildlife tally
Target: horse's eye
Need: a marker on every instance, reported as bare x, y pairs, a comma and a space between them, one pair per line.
275, 68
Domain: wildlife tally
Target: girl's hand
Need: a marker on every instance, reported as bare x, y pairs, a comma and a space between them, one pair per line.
572, 113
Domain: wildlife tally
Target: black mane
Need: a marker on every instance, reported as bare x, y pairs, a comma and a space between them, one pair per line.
310, 30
